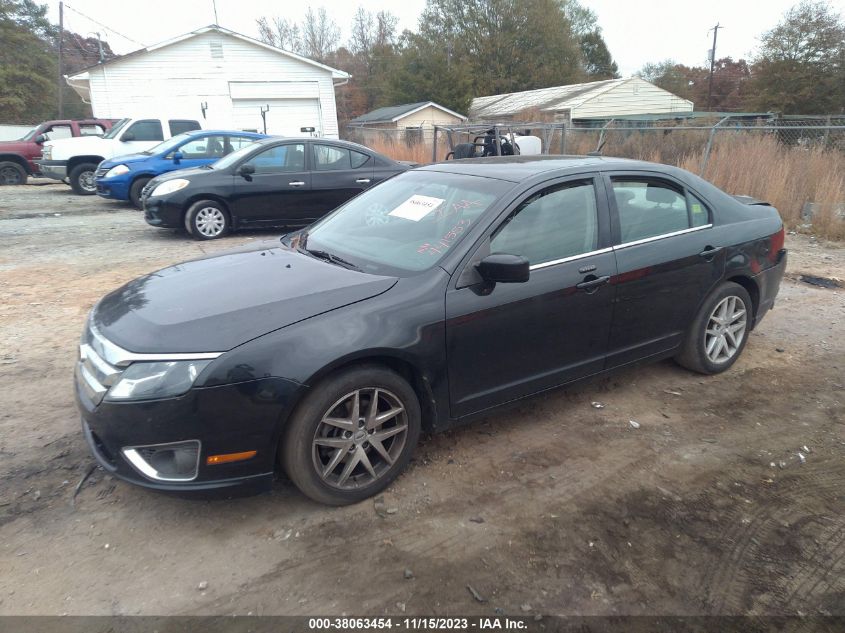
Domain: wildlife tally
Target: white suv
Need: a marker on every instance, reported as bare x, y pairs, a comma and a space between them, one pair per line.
76, 159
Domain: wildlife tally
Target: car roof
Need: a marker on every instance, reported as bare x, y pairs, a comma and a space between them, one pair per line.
232, 132
521, 168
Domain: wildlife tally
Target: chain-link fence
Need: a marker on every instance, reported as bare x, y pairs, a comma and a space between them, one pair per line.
677, 142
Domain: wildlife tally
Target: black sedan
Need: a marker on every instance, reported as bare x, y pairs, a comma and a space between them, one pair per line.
482, 282
286, 183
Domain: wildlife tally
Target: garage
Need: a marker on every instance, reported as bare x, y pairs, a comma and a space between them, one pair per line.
285, 117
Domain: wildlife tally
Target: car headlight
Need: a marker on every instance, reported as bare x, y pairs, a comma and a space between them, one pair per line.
146, 381
170, 186
117, 171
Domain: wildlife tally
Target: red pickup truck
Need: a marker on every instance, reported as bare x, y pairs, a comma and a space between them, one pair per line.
17, 158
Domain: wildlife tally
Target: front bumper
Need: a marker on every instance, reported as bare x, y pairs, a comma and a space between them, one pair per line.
113, 188
55, 169
226, 419
163, 212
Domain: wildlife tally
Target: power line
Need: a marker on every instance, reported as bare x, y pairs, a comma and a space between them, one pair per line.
108, 28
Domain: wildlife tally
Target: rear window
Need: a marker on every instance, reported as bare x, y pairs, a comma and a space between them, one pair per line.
178, 126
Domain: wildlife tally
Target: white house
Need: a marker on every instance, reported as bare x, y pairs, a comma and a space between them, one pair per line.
220, 77
594, 100
424, 114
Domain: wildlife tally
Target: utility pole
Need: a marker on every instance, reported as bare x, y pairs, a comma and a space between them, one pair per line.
214, 4
715, 30
61, 42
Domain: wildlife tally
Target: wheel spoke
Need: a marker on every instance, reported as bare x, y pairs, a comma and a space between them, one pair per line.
372, 411
341, 423
381, 418
711, 345
381, 450
355, 413
335, 460
333, 442
354, 458
383, 435
365, 460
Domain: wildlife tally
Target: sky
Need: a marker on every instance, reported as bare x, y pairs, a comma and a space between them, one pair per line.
636, 31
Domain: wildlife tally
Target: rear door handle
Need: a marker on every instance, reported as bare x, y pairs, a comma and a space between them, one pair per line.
363, 181
593, 284
297, 183
710, 252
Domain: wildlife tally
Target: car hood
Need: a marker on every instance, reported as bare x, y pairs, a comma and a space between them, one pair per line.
15, 146
65, 148
127, 159
220, 302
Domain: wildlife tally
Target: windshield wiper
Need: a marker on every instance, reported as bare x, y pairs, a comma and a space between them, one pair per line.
329, 257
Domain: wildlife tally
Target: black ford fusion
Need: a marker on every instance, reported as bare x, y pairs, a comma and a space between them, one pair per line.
420, 304
278, 182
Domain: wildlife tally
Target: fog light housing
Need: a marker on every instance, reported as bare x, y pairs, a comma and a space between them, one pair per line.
177, 461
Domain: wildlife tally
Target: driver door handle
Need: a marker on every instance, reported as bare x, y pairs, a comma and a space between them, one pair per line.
362, 181
710, 252
297, 183
593, 284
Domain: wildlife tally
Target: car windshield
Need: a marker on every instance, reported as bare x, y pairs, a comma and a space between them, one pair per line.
407, 224
230, 159
29, 135
116, 129
168, 145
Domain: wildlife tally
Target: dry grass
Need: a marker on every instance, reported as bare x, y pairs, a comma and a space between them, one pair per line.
752, 164
786, 176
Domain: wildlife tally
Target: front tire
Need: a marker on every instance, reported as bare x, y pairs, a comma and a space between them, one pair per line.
352, 435
719, 331
207, 220
82, 179
135, 191
12, 173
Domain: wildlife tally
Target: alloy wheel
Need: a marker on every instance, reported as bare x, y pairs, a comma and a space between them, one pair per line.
210, 221
725, 329
359, 438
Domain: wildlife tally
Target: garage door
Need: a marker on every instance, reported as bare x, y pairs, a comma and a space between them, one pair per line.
285, 116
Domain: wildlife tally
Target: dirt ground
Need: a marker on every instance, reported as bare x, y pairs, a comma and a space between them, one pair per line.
728, 498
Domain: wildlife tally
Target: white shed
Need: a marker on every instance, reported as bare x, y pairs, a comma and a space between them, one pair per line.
220, 76
594, 100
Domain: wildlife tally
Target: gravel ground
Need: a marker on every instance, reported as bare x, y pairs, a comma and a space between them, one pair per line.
728, 498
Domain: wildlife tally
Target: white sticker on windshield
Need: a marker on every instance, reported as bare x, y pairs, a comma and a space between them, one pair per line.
416, 207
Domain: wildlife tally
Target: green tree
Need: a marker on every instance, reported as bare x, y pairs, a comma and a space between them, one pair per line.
468, 48
800, 68
27, 68
598, 62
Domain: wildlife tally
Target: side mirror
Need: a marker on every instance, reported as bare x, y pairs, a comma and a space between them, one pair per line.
41, 138
246, 170
177, 157
129, 136
504, 268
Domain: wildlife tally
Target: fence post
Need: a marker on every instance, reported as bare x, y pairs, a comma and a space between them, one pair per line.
710, 146
601, 136
434, 146
563, 139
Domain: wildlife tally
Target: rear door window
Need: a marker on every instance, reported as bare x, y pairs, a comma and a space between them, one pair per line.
649, 208
147, 130
178, 126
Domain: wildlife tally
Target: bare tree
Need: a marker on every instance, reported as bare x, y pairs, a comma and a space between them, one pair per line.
281, 33
320, 34
361, 40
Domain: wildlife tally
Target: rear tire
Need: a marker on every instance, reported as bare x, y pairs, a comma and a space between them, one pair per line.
719, 331
82, 179
338, 466
207, 220
135, 191
12, 173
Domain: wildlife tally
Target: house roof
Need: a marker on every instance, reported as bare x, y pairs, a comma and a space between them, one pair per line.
212, 28
390, 114
545, 99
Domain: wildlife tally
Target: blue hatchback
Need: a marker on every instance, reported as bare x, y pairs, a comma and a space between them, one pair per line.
123, 177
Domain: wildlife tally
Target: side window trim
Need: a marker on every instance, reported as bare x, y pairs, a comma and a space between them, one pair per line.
609, 176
